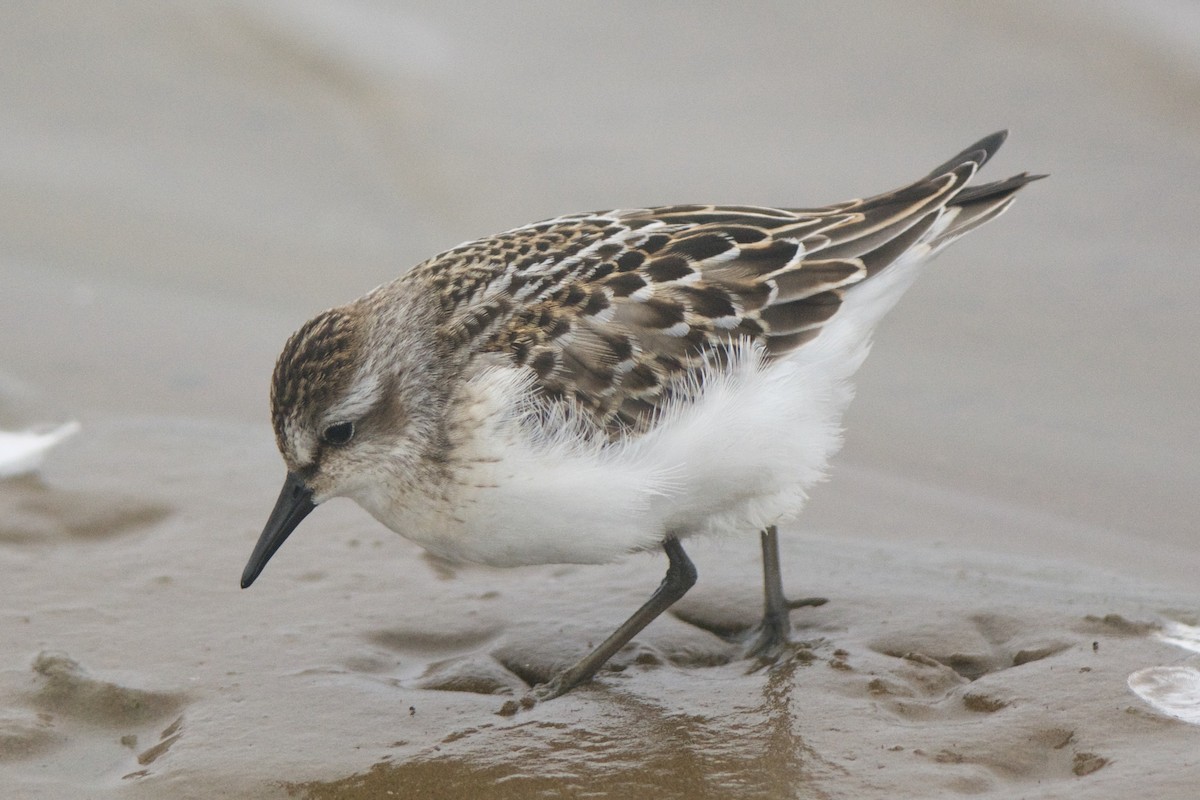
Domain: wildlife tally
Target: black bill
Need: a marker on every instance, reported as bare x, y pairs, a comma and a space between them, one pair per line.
293, 505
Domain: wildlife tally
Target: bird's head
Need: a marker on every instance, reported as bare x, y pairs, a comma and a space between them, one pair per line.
353, 415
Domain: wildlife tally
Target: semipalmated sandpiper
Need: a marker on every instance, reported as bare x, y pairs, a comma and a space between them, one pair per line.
577, 389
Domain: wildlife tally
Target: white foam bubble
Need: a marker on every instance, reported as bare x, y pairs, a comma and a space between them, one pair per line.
1174, 691
1180, 635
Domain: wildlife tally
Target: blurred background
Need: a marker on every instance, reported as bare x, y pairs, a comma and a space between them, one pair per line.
182, 184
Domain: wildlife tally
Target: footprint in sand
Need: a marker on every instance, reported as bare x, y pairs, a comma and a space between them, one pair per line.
942, 665
451, 658
988, 643
66, 688
951, 691
71, 706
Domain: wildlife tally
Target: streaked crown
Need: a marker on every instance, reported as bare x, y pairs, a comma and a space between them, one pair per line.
317, 366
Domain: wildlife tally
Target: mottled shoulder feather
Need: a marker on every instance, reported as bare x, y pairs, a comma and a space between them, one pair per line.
615, 311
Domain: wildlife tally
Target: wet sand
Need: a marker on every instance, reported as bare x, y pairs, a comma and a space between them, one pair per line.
1007, 538
366, 667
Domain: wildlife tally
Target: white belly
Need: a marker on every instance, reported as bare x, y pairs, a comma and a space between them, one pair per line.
739, 458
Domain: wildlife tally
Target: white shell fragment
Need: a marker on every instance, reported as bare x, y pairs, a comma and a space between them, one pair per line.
1174, 691
22, 452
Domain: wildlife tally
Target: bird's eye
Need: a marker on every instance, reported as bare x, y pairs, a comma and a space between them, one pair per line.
339, 433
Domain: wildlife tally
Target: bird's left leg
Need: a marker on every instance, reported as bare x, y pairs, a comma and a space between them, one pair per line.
772, 634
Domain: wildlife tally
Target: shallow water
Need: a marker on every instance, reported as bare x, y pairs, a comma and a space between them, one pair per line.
1007, 539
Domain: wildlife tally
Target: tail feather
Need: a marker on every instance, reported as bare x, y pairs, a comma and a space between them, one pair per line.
995, 189
977, 205
979, 153
902, 228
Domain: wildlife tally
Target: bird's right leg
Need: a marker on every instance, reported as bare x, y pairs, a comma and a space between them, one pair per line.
681, 576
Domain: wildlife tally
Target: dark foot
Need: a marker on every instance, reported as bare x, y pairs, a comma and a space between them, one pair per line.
543, 691
549, 690
772, 637
681, 575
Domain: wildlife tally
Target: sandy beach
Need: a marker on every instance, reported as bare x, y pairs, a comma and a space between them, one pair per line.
1007, 541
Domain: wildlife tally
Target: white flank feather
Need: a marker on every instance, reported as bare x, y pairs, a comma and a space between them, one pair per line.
737, 455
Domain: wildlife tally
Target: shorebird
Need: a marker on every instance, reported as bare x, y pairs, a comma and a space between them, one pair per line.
596, 384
